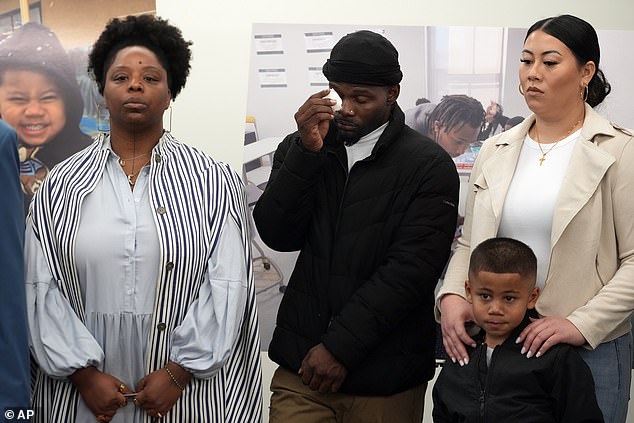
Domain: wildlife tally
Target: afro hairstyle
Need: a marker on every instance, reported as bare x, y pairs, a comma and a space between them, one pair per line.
151, 32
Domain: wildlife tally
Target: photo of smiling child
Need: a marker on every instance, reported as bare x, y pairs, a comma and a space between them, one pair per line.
40, 99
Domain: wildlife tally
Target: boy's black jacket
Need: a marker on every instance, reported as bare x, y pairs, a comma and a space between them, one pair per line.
556, 387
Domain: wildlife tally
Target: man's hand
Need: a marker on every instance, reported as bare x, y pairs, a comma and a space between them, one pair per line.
313, 120
455, 311
321, 371
543, 333
101, 392
157, 393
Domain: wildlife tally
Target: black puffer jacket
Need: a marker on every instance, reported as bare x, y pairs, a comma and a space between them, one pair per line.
555, 387
373, 244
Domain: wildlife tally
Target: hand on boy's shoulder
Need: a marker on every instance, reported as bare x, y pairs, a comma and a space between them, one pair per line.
541, 334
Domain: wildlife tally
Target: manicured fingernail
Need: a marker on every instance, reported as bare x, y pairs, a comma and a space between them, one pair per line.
461, 362
466, 360
453, 360
474, 345
518, 340
538, 354
529, 354
523, 350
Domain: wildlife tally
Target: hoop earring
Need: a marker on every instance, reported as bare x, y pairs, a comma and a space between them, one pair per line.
98, 117
584, 93
520, 88
170, 130
99, 127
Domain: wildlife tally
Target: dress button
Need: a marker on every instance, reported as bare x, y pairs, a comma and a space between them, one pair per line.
169, 266
157, 158
161, 210
161, 326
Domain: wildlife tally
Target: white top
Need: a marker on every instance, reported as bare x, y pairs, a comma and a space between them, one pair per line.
363, 148
489, 355
530, 201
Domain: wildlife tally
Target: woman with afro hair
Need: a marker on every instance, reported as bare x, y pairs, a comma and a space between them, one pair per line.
139, 279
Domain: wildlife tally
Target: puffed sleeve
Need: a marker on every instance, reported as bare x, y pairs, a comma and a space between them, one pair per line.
204, 340
60, 342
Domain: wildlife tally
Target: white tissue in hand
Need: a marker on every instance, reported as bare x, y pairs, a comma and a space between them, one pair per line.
333, 95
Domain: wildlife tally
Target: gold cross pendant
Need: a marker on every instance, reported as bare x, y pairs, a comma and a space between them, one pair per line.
541, 160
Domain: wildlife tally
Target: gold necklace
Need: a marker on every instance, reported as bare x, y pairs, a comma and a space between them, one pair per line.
539, 143
134, 174
132, 177
123, 161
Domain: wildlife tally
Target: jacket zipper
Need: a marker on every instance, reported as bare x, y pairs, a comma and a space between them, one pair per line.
339, 213
482, 400
344, 166
343, 195
346, 171
483, 387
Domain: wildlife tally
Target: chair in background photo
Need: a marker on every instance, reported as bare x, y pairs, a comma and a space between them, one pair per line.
255, 172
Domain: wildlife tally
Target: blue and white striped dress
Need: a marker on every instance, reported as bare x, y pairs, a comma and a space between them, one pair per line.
151, 269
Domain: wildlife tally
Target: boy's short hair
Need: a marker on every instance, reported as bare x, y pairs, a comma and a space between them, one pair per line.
503, 255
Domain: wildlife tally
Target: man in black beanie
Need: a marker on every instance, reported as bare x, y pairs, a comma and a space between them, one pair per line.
372, 207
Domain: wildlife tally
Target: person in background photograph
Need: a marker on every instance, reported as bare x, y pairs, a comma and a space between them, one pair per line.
512, 122
40, 98
562, 182
95, 115
372, 206
454, 123
139, 277
422, 100
494, 121
14, 346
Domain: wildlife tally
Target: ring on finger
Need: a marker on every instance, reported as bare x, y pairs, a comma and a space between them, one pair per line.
102, 418
122, 388
159, 415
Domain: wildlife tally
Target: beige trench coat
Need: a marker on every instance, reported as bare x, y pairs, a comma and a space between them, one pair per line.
590, 280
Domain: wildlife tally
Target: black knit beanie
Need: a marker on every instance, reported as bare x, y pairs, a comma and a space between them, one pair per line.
363, 57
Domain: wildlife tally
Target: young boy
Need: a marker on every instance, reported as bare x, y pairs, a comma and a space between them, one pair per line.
499, 384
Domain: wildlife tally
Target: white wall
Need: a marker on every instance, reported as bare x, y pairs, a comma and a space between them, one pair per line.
615, 64
512, 101
210, 112
274, 107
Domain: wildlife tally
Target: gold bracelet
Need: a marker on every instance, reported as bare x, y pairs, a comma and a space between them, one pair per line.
176, 382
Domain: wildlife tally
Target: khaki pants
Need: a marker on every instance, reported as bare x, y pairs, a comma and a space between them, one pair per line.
294, 402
